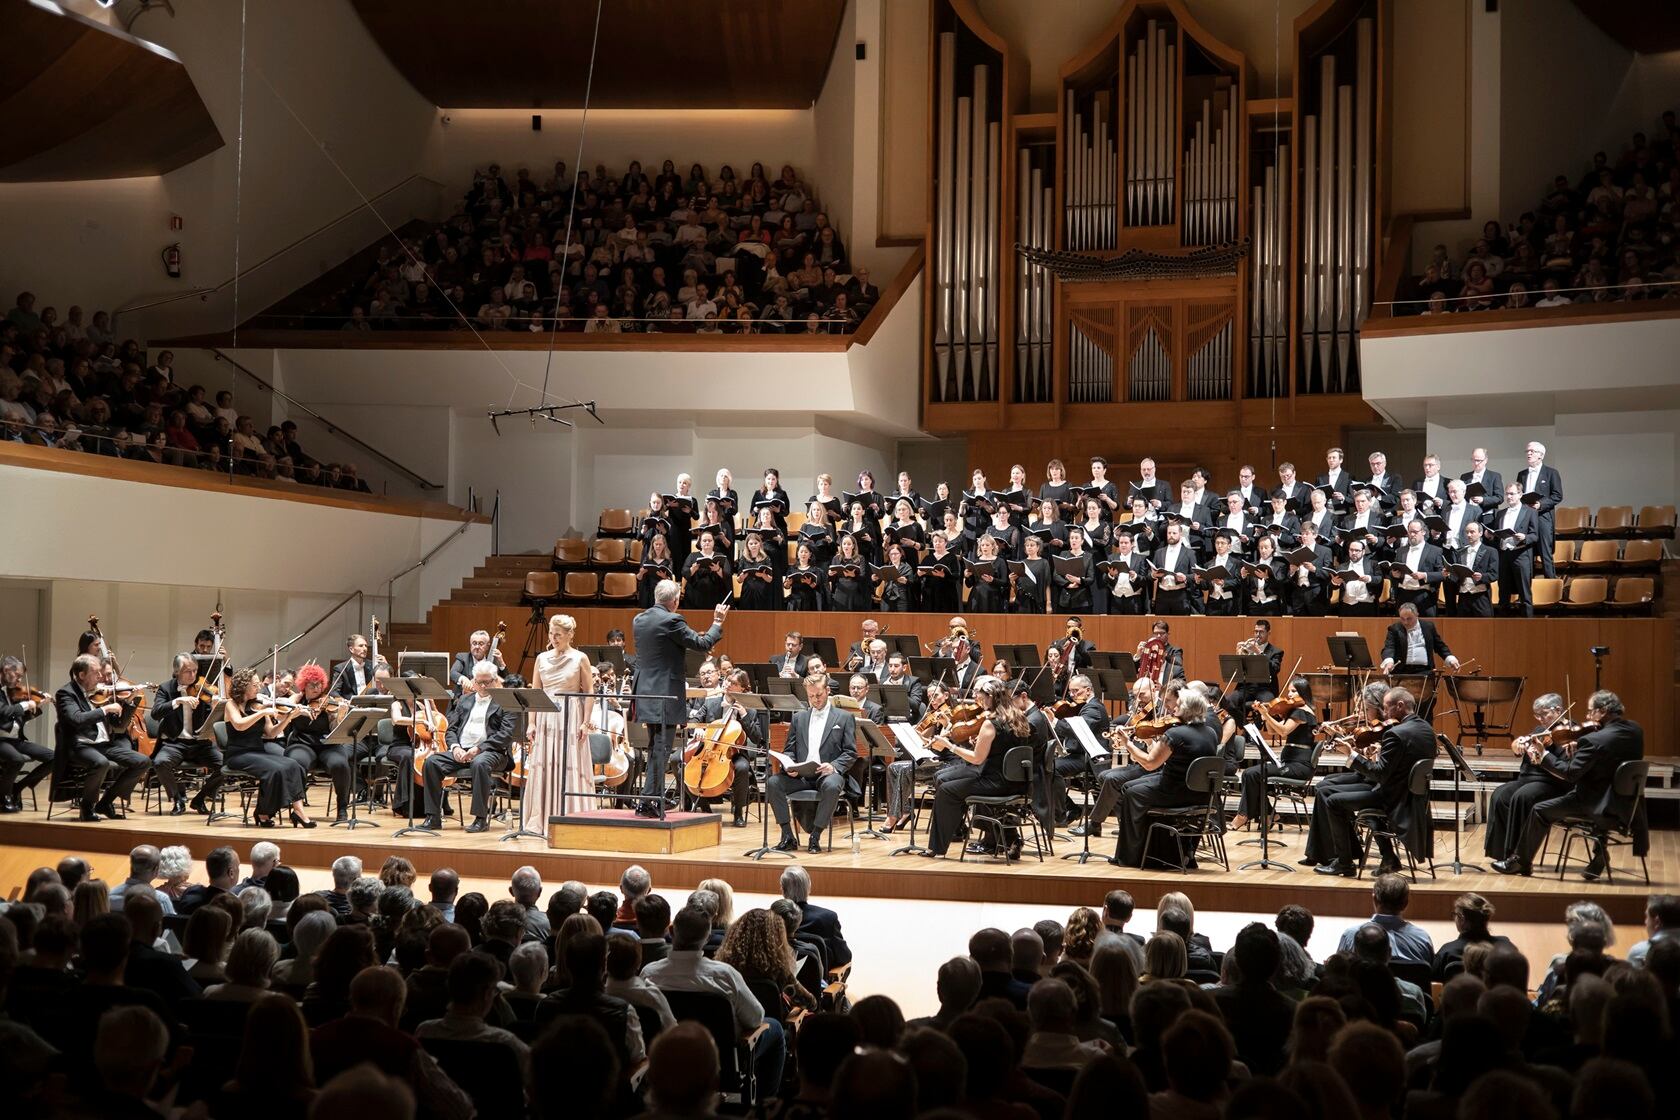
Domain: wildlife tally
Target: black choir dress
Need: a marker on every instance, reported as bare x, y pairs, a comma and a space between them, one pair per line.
988, 598
704, 587
761, 590
1296, 757
1033, 587
985, 780
939, 592
847, 592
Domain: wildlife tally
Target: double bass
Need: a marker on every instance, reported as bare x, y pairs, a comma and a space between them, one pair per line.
123, 692
615, 771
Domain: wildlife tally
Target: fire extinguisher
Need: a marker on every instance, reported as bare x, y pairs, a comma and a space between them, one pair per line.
172, 261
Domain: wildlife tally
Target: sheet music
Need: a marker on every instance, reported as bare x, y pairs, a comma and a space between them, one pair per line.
1082, 731
1259, 740
912, 743
792, 768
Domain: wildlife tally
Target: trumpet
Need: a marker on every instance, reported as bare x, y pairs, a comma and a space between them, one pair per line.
1250, 647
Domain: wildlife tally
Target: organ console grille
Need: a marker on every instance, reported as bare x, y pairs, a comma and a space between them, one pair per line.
1150, 147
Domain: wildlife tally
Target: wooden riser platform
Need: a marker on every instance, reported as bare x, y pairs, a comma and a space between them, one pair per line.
873, 873
621, 832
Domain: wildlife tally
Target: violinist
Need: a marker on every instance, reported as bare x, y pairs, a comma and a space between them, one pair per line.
1126, 575
478, 648
1408, 741
1288, 720
1511, 804
252, 729
1076, 761
823, 739
182, 712
1589, 767
754, 724
706, 576
1004, 726
1168, 759
1367, 726
18, 705
1146, 703
96, 737
306, 735
759, 590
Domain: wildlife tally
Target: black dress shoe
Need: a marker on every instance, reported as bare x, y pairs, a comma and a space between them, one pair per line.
88, 816
1337, 867
435, 823
110, 812
648, 812
6, 806
739, 821
479, 824
179, 809
1512, 867
1308, 862
813, 845
788, 844
197, 805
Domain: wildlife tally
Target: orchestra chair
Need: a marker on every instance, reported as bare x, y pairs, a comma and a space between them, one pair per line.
609, 552
1295, 790
796, 522
241, 783
1634, 595
377, 774
1371, 824
581, 587
1655, 521
1584, 593
811, 797
487, 1072
713, 1011
1596, 554
615, 523
1646, 553
618, 587
1546, 595
1607, 832
1000, 810
1572, 521
1563, 553
1613, 521
635, 555
541, 589
64, 784
570, 552
1203, 823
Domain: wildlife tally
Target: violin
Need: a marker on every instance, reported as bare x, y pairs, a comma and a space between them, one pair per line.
119, 692
1563, 734
1062, 709
933, 720
22, 694
123, 692
1280, 707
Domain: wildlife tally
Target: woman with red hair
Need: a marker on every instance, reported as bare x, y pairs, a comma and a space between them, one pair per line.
305, 739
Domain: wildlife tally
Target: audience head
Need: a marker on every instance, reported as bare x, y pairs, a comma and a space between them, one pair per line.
990, 950
958, 985
682, 1070
574, 1069
653, 916
129, 1046
1164, 957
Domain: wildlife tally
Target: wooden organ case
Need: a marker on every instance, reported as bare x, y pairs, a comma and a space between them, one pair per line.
1156, 266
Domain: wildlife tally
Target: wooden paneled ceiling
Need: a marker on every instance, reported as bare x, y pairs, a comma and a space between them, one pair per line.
653, 54
84, 101
1642, 26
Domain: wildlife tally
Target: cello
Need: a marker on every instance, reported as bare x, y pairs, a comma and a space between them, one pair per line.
123, 692
710, 767
616, 769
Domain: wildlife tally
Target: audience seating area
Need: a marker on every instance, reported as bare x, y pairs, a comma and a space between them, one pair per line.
307, 994
1610, 237
608, 253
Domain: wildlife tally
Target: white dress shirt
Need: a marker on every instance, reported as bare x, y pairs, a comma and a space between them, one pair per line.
1416, 652
1468, 586
814, 734
1414, 562
475, 732
1355, 592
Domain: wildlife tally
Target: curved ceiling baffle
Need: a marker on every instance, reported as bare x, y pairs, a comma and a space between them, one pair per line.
749, 54
85, 101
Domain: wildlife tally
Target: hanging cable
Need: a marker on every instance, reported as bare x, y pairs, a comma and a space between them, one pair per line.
239, 171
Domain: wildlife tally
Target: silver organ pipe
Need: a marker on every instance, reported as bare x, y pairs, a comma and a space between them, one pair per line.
1208, 369
979, 218
1090, 368
1337, 220
1091, 166
1149, 370
944, 222
989, 283
1210, 175
1034, 205
1151, 134
1268, 279
962, 264
1024, 374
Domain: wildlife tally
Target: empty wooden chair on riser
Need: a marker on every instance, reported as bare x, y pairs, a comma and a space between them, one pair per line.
582, 587
1571, 521
570, 552
1655, 522
1585, 593
1613, 521
1546, 594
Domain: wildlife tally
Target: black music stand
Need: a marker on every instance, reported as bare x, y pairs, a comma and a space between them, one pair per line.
1349, 653
1084, 854
1459, 767
525, 701
350, 730
598, 654
1245, 668
893, 698
912, 848
876, 745
1115, 684
433, 665
934, 668
791, 687
824, 647
418, 688
1265, 862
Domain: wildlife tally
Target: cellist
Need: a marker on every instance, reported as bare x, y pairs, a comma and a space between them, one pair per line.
723, 711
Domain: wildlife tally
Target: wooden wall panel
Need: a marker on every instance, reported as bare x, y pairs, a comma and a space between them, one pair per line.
1552, 653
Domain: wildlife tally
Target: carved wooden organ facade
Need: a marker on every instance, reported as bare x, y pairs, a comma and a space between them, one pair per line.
1163, 237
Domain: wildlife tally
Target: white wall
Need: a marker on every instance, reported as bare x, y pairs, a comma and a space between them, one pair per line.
833, 118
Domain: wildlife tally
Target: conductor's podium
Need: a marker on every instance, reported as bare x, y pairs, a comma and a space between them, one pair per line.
621, 830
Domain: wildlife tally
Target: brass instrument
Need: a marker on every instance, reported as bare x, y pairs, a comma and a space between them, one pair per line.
1250, 647
1074, 632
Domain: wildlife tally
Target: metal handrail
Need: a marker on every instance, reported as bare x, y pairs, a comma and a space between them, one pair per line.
316, 232
332, 429
276, 650
390, 581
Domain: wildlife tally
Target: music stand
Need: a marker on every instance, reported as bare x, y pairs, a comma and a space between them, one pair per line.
910, 645
1245, 668
1459, 766
418, 689
1482, 693
825, 648
893, 698
934, 668
598, 654
1114, 684
433, 665
1267, 755
350, 730
793, 687
875, 745
526, 701
1349, 653
770, 702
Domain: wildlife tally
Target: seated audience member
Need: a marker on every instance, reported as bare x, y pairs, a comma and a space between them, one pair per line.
585, 995
1054, 1044
1471, 915
624, 980
274, 1076
471, 987
820, 922
1257, 1014
989, 949
1407, 940
250, 964
162, 974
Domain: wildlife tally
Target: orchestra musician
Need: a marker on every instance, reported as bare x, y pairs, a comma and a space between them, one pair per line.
1473, 598
254, 730
1408, 741
1547, 485
306, 736
478, 649
1172, 665
1516, 552
1075, 761
827, 737
1237, 701
786, 663
980, 768
1075, 648
97, 737
1168, 760
1413, 644
661, 639
1590, 770
181, 737
901, 773
19, 705
1146, 702
755, 725
868, 631
1370, 711
898, 673
356, 675
479, 739
1294, 731
1510, 805
875, 666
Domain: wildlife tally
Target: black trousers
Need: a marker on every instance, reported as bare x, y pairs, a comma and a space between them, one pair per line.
1073, 764
333, 759
658, 759
484, 768
1478, 604
1340, 806
1254, 780
279, 779
1510, 807
952, 796
739, 785
1138, 798
171, 753
1542, 817
1113, 785
1127, 604
1548, 530
1320, 846
117, 757
401, 758
1516, 577
14, 753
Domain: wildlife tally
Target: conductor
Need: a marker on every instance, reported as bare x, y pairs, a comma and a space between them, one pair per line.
661, 637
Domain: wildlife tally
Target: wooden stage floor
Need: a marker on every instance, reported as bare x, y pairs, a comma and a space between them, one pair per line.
873, 873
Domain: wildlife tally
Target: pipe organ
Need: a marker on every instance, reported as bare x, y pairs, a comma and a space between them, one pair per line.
1151, 233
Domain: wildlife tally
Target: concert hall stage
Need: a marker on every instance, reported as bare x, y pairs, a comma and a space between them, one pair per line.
873, 873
